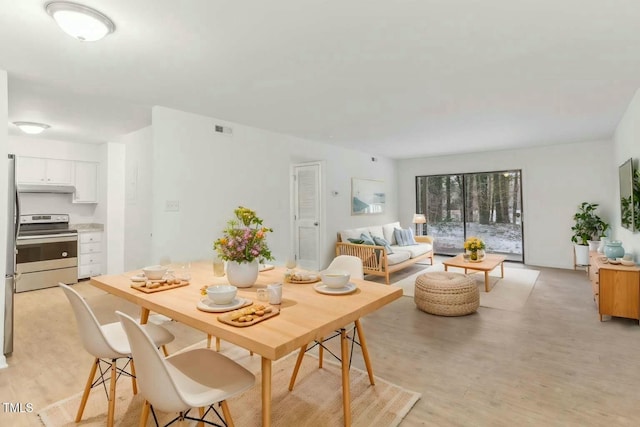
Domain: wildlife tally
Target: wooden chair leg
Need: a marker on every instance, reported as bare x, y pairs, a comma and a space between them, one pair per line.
226, 413
320, 352
292, 381
134, 384
208, 341
87, 389
164, 350
365, 351
145, 414
112, 394
201, 412
217, 344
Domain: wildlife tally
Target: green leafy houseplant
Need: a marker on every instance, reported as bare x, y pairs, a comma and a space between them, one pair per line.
588, 225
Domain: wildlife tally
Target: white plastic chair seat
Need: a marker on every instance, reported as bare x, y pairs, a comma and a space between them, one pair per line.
196, 378
349, 263
117, 338
203, 376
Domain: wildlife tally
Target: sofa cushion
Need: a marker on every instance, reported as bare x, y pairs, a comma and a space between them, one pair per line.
382, 242
398, 257
353, 233
376, 231
404, 237
414, 250
387, 231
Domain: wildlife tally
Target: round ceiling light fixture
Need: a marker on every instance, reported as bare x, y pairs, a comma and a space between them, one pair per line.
80, 22
32, 128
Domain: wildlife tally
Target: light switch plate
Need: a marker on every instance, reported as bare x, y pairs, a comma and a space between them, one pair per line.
172, 206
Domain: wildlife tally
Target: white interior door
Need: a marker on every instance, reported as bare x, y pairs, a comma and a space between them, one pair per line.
306, 215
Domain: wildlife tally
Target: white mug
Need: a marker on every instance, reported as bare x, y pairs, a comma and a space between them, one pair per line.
275, 293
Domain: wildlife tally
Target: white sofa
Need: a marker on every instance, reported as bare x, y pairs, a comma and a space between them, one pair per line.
375, 259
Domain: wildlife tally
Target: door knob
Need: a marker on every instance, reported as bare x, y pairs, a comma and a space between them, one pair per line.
315, 223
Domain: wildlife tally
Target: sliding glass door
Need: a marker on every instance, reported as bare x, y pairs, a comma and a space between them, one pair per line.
486, 205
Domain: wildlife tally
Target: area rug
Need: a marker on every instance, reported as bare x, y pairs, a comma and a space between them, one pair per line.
316, 400
509, 293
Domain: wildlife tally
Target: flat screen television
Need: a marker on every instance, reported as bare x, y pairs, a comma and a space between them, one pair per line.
628, 213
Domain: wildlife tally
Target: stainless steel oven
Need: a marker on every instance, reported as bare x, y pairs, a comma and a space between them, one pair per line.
47, 252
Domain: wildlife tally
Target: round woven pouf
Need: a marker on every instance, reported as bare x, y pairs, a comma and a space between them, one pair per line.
446, 294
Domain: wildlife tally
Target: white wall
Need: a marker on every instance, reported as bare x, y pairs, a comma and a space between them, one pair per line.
555, 180
4, 150
113, 206
627, 145
137, 224
211, 174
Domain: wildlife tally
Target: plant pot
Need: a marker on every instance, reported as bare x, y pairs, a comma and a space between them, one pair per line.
582, 254
242, 274
593, 245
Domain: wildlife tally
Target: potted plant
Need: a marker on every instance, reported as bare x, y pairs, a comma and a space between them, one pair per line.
588, 227
242, 245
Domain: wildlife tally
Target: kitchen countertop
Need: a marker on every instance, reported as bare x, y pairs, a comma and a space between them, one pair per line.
87, 227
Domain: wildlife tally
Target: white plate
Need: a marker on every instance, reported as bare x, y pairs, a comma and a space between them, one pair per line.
324, 289
205, 304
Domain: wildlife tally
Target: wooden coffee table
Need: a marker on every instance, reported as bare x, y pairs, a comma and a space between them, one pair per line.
489, 262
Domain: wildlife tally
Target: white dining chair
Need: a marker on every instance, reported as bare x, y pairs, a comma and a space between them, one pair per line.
354, 266
197, 378
107, 343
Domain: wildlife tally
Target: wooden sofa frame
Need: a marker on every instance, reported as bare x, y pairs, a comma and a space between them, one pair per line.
378, 265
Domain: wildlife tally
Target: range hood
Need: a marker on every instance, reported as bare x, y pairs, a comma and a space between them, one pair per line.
46, 188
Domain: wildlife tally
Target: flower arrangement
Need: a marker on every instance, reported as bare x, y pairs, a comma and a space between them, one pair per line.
244, 238
474, 244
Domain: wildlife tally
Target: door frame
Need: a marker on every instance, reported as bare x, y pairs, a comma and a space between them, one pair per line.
293, 248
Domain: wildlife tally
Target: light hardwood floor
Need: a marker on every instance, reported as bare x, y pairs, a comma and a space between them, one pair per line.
551, 364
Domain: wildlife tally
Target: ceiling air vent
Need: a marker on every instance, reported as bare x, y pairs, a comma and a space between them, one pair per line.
224, 130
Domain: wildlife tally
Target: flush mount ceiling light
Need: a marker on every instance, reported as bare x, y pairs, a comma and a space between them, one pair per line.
80, 22
31, 128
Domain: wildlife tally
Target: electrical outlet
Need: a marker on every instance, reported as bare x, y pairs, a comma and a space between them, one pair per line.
172, 206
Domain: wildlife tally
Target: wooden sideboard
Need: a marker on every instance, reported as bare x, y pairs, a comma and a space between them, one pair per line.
616, 288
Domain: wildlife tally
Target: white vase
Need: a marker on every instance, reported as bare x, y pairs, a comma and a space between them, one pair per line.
242, 274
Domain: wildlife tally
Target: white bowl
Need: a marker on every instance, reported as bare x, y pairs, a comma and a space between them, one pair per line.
335, 278
154, 272
221, 294
627, 262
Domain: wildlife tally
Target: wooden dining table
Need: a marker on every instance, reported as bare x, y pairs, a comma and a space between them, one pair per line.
305, 316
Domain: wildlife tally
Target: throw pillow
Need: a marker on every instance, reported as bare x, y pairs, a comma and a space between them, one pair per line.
367, 240
404, 237
383, 242
355, 241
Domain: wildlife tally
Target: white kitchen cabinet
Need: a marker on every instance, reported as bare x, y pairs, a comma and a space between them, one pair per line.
86, 182
36, 170
90, 254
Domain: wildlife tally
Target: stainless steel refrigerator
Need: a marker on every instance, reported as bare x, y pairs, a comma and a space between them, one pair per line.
13, 213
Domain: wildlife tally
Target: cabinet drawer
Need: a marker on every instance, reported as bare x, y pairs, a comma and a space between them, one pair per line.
91, 237
90, 259
90, 248
88, 271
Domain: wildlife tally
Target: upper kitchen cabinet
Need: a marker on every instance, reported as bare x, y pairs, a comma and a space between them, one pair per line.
86, 182
36, 170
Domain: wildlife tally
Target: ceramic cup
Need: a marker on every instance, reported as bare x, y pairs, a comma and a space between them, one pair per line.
275, 293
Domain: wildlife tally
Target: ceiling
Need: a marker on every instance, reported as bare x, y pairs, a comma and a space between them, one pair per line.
393, 78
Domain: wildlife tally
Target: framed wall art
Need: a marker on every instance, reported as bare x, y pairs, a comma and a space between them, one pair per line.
367, 196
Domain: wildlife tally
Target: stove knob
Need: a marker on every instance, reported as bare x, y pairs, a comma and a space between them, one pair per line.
64, 254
